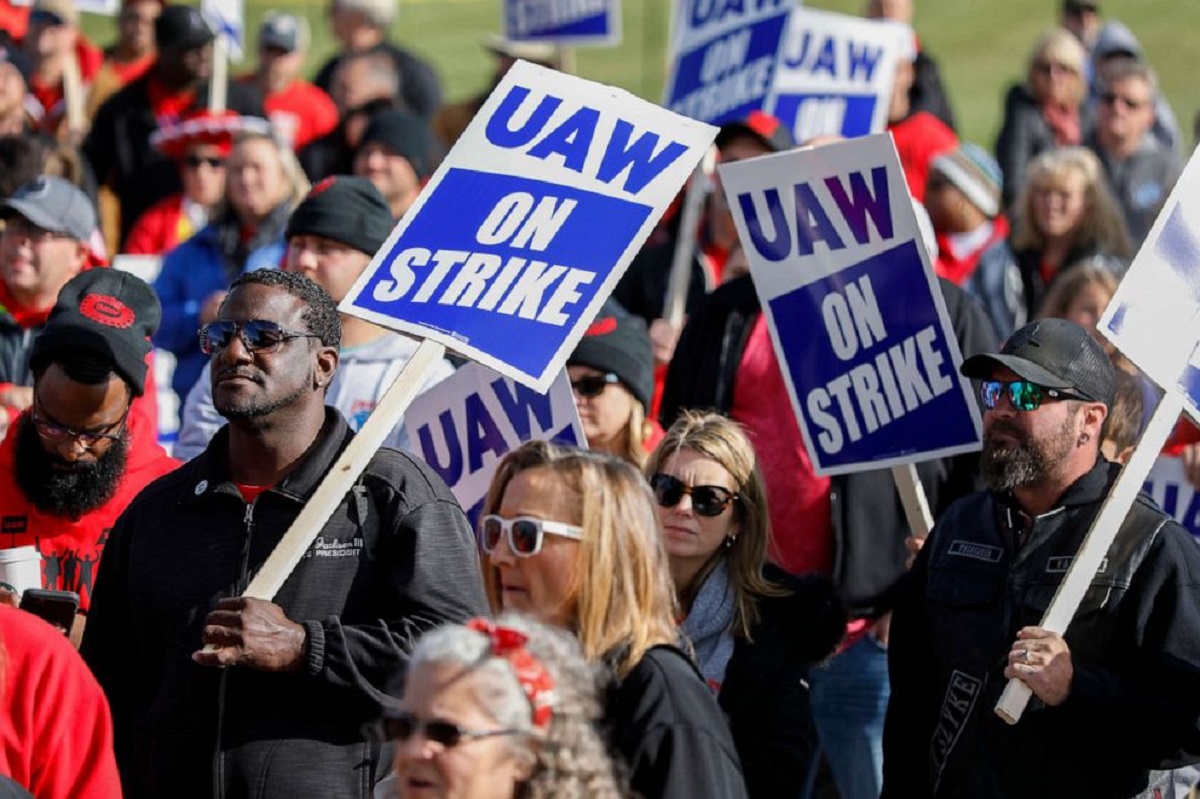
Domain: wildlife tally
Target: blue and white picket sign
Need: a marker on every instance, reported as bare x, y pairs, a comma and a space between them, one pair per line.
567, 23
1168, 486
834, 74
1154, 317
464, 425
106, 8
722, 56
530, 221
855, 312
228, 18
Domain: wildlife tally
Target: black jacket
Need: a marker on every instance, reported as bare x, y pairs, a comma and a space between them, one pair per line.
927, 92
420, 89
664, 721
15, 343
1134, 702
118, 145
765, 693
869, 525
397, 558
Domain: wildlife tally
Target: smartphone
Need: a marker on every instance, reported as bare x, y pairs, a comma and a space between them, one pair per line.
57, 607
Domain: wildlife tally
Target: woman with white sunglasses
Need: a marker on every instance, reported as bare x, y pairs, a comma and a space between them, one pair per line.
571, 538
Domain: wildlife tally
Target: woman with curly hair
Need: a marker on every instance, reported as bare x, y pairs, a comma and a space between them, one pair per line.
755, 629
572, 538
1066, 213
500, 710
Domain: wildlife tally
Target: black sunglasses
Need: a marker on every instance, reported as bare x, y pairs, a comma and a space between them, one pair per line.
706, 500
1023, 394
196, 161
447, 734
594, 385
257, 335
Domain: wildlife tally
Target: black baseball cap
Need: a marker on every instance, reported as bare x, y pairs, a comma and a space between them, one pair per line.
1054, 353
182, 28
769, 130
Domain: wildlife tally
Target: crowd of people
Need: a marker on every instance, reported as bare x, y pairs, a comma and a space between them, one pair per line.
682, 608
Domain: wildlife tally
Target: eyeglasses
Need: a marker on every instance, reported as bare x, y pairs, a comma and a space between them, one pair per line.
1052, 67
1024, 395
446, 734
196, 161
257, 335
593, 385
525, 533
706, 500
57, 433
1112, 98
20, 226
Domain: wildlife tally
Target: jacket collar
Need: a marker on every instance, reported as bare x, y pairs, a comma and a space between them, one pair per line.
210, 469
1088, 489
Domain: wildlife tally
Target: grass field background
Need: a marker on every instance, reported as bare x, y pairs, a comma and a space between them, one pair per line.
981, 45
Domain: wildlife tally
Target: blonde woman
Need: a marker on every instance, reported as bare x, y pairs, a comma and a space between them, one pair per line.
755, 629
1046, 111
572, 538
1065, 214
499, 710
263, 183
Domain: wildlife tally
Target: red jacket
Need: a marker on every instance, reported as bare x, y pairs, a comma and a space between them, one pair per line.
71, 549
161, 229
920, 138
300, 113
50, 98
56, 733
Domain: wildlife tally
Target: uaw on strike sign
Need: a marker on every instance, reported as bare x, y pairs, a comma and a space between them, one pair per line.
529, 222
855, 313
563, 22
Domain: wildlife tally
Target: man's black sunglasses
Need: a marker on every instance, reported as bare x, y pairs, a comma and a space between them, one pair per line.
257, 335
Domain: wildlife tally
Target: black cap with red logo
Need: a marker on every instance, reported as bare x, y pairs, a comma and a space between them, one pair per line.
106, 312
773, 134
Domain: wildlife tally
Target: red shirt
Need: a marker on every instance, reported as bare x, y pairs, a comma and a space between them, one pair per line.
56, 732
51, 97
801, 511
160, 229
300, 113
71, 549
920, 138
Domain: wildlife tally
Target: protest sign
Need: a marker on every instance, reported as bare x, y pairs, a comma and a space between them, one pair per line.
463, 426
855, 313
228, 19
1169, 487
567, 23
107, 8
834, 75
722, 56
530, 221
1154, 319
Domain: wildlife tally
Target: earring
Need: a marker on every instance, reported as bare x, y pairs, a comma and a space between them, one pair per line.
1084, 438
729, 541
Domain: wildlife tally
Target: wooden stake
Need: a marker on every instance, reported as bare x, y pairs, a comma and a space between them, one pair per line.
912, 497
218, 85
1093, 549
685, 245
73, 96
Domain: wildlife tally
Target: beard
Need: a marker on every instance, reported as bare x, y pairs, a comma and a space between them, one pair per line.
1026, 461
255, 409
61, 489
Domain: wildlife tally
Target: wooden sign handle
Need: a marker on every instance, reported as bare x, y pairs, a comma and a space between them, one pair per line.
912, 497
1095, 546
73, 95
685, 244
342, 475
218, 85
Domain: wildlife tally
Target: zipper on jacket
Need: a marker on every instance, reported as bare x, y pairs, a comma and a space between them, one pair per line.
243, 581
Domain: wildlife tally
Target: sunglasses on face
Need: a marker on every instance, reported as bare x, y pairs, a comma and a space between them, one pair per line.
525, 533
594, 385
706, 500
446, 734
257, 335
1024, 395
56, 433
197, 161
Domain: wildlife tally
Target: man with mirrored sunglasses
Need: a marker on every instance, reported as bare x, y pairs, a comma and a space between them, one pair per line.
280, 701
1118, 695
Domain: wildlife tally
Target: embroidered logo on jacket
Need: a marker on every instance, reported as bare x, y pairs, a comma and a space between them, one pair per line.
984, 552
961, 694
328, 548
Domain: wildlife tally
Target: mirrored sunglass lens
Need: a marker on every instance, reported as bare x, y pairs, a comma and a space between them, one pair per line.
1026, 396
990, 392
525, 536
217, 335
261, 335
